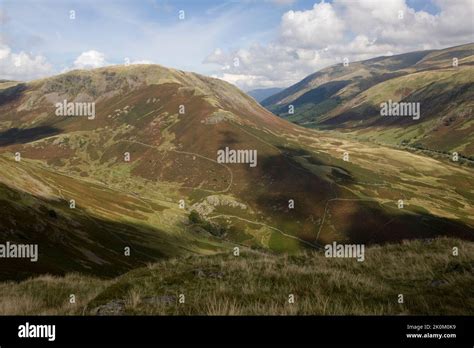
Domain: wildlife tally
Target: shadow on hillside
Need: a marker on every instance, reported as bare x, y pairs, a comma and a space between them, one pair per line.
321, 93
432, 103
277, 179
12, 93
231, 138
22, 136
72, 240
388, 225
280, 178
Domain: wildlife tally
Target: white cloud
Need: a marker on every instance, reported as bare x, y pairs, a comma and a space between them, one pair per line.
145, 61
89, 60
313, 28
456, 20
272, 65
22, 66
4, 51
94, 59
321, 36
217, 57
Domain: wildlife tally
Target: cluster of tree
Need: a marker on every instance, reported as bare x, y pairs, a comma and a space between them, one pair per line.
199, 222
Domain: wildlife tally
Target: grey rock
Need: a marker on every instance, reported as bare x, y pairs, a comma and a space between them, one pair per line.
437, 282
114, 307
202, 273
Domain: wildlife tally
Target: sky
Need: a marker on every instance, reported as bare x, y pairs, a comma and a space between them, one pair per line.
250, 43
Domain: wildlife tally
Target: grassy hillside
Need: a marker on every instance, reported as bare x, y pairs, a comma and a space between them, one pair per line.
92, 237
348, 99
173, 198
431, 280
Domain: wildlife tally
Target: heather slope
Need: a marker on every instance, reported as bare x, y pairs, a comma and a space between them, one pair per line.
173, 198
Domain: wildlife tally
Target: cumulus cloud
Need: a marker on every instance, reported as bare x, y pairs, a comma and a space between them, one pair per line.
94, 59
270, 65
325, 34
144, 61
90, 60
313, 28
394, 23
22, 66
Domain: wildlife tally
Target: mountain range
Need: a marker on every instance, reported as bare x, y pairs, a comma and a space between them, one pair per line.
141, 181
348, 98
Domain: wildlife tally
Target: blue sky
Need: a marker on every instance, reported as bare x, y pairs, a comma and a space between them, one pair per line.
120, 29
38, 38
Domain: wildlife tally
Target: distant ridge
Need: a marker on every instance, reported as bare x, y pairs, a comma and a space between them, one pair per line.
348, 98
263, 93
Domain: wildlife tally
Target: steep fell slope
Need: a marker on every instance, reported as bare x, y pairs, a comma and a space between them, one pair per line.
144, 173
349, 98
